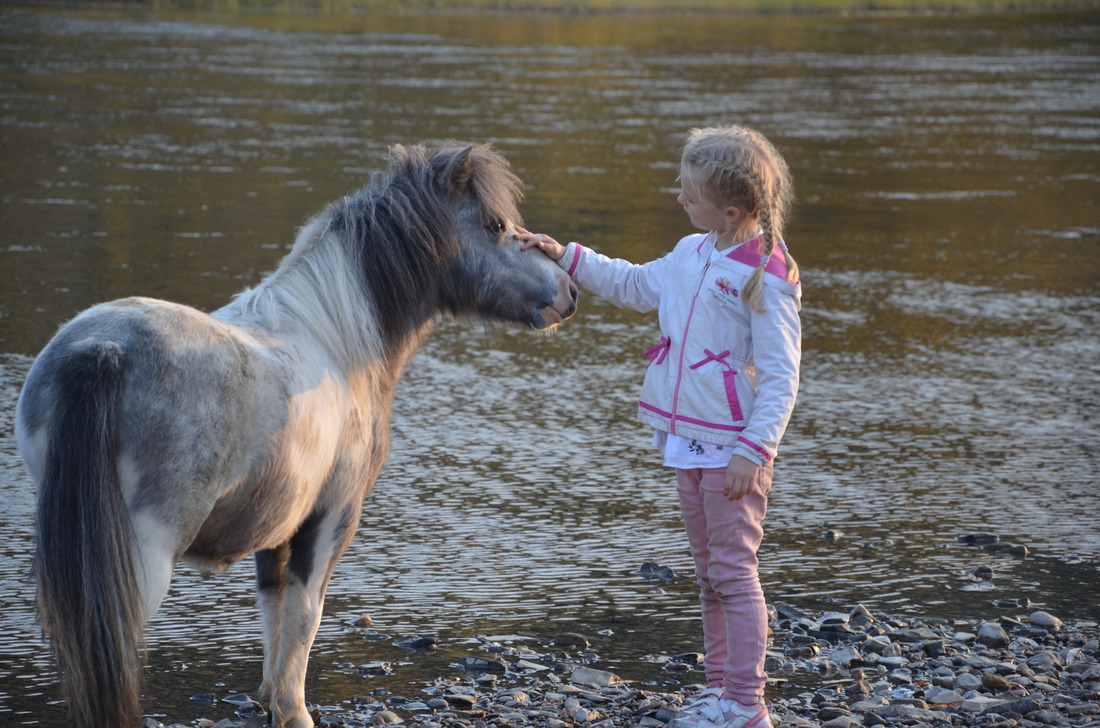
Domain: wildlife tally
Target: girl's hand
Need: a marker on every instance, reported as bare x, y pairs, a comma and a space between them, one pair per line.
552, 248
740, 477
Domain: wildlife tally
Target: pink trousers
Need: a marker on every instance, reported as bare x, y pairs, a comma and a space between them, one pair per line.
724, 536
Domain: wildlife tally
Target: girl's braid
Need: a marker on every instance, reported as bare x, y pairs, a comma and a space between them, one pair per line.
754, 288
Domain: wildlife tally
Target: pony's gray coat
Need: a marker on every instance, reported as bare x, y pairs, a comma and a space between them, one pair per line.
155, 432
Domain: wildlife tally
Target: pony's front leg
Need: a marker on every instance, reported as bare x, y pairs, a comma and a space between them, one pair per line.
292, 580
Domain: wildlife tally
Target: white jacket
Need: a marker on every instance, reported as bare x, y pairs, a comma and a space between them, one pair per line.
722, 373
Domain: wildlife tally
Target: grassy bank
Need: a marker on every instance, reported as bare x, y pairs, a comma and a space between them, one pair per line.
641, 6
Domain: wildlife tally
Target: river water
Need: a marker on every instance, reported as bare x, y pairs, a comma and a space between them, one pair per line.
948, 170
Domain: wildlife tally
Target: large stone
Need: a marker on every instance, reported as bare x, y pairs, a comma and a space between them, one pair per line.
967, 681
1045, 620
995, 682
1023, 706
1045, 661
909, 713
979, 703
842, 721
992, 635
942, 696
582, 675
845, 656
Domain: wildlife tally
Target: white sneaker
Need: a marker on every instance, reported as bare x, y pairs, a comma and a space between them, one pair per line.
712, 712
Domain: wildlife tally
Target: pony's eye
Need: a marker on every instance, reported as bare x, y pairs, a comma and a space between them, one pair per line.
496, 227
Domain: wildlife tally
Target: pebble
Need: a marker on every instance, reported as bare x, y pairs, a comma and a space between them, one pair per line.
878, 671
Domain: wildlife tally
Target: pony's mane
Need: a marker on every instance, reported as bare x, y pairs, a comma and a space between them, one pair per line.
363, 274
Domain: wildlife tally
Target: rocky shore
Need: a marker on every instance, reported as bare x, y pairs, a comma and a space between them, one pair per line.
834, 670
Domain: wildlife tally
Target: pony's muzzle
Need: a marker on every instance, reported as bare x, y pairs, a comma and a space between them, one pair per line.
563, 306
562, 294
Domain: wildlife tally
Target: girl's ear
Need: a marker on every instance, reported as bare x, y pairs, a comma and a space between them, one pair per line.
737, 217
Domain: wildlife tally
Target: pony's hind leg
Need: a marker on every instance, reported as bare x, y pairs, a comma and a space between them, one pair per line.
292, 580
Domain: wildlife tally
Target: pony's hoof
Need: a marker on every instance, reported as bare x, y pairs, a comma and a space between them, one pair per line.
297, 719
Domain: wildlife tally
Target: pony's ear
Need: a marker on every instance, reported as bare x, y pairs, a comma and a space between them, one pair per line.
456, 173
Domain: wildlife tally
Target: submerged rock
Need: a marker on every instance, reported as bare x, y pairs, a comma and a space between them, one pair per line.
978, 539
651, 571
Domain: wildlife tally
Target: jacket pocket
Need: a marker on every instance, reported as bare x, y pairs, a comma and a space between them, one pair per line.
729, 378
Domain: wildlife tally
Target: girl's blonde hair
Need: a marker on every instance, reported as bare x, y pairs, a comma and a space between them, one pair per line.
739, 167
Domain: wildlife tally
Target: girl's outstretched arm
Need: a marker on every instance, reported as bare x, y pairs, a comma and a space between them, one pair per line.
552, 248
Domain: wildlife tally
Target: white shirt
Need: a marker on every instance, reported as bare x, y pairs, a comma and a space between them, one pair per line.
687, 454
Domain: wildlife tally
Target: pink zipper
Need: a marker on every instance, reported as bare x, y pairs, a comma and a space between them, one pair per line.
683, 343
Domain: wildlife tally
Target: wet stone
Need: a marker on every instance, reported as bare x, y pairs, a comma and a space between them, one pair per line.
651, 571
386, 717
942, 696
1045, 620
571, 641
978, 539
415, 642
992, 635
473, 662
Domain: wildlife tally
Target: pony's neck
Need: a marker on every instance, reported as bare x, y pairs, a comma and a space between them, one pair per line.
318, 293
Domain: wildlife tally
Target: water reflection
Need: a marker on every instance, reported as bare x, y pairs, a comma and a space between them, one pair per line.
947, 233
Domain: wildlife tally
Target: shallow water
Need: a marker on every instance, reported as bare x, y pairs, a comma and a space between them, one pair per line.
947, 231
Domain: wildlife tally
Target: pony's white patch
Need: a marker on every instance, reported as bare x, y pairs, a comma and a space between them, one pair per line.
342, 321
154, 555
129, 475
32, 446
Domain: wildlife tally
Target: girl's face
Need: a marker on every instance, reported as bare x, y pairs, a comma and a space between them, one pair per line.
702, 213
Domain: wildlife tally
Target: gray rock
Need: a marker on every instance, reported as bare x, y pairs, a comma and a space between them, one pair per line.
892, 663
1045, 661
582, 675
571, 641
908, 713
942, 696
992, 635
967, 681
462, 702
1016, 707
845, 655
843, 721
483, 664
978, 539
1045, 620
878, 645
979, 703
387, 717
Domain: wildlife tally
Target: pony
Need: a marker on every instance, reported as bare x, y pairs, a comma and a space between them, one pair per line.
156, 433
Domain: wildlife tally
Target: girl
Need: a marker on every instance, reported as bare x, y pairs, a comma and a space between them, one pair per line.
719, 388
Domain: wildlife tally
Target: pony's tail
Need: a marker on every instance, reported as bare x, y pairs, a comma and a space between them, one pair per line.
88, 597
